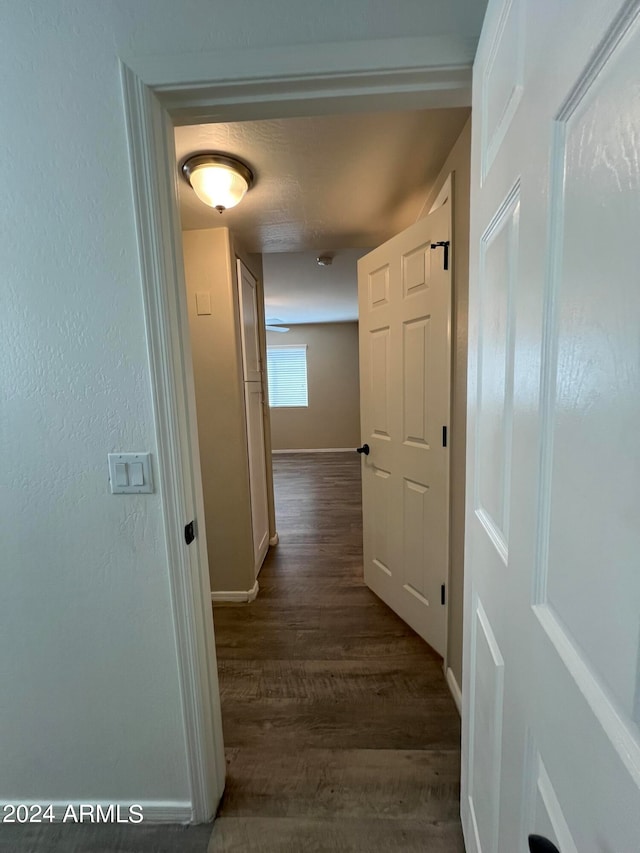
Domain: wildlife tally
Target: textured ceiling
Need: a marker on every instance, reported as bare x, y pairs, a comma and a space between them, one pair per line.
324, 183
297, 290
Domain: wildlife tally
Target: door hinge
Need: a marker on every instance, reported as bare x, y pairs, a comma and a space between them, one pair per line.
444, 436
443, 597
445, 244
190, 532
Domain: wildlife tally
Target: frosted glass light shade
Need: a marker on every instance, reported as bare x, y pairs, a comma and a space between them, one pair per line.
218, 181
218, 186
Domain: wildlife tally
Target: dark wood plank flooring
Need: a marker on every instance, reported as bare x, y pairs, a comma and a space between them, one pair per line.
339, 729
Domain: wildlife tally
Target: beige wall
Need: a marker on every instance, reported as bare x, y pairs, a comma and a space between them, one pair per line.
217, 372
333, 416
458, 162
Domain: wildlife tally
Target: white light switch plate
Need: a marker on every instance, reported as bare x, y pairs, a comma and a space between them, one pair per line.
203, 302
130, 468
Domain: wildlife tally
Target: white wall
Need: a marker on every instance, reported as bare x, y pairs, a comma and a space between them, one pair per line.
164, 26
90, 701
90, 698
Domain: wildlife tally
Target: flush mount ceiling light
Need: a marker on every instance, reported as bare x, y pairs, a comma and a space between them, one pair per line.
218, 180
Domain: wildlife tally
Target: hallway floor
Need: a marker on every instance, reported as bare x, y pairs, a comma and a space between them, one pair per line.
340, 732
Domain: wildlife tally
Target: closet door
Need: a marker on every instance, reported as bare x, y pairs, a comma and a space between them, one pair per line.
257, 471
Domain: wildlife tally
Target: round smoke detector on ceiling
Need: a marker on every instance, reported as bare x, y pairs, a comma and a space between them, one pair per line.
324, 260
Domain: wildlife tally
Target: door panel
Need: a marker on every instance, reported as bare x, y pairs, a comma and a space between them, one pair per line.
587, 371
416, 268
415, 353
380, 365
405, 380
487, 693
496, 303
551, 692
380, 504
417, 535
378, 287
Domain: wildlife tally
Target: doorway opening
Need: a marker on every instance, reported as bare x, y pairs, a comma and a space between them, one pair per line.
317, 566
152, 108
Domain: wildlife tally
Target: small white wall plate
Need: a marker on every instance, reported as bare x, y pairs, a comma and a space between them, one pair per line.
130, 473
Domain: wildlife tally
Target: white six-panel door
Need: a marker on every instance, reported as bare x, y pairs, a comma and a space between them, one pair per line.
551, 693
404, 309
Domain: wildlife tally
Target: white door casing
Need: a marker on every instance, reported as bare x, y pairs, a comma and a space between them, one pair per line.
254, 405
551, 687
247, 291
254, 408
404, 322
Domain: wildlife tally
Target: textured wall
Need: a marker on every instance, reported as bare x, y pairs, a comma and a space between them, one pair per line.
162, 26
90, 705
333, 416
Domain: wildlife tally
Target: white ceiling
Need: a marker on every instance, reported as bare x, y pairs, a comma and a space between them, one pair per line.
297, 290
324, 182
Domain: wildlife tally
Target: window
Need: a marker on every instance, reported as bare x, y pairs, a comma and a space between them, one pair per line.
287, 375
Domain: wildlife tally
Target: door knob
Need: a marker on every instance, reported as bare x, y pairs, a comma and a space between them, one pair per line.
538, 844
364, 449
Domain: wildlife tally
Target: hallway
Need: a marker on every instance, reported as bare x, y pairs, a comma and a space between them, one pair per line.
340, 732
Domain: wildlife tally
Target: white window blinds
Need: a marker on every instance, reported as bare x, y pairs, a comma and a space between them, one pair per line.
287, 376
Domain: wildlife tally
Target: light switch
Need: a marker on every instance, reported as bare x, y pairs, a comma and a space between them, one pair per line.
203, 302
122, 478
130, 473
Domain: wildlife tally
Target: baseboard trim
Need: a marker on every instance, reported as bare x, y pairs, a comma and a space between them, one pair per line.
454, 687
237, 595
274, 539
152, 812
317, 450
167, 813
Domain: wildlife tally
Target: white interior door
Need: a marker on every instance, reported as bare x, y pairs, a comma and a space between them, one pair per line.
248, 290
551, 693
404, 309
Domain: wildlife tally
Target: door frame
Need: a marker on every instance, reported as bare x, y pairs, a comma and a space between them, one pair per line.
446, 195
162, 91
